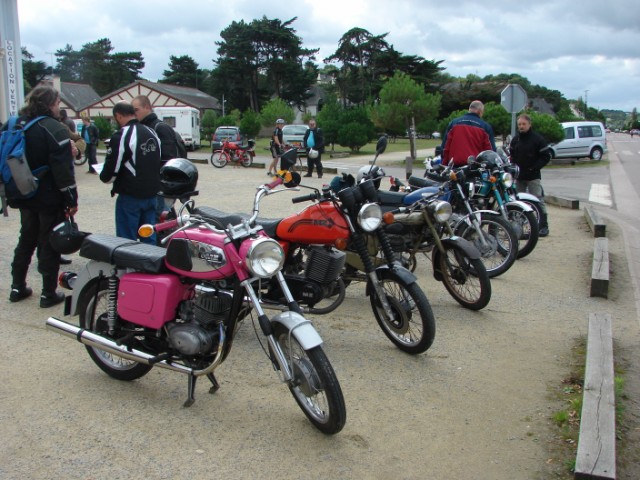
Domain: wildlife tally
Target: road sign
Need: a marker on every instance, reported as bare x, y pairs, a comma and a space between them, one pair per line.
513, 98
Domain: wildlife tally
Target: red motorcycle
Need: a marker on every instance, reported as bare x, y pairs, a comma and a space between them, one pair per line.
232, 152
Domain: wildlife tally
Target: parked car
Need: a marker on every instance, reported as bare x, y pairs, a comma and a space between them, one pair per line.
293, 135
581, 139
223, 133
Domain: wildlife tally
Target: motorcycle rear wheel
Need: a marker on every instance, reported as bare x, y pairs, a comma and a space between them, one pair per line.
246, 159
414, 327
465, 279
526, 225
219, 158
500, 249
95, 320
315, 386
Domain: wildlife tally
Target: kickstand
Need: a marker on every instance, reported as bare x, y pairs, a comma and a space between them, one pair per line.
191, 387
214, 382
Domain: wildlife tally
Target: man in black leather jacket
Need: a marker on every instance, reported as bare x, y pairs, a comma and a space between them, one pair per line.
529, 150
132, 164
47, 144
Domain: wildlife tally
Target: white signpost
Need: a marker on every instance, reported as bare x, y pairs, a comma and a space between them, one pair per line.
513, 98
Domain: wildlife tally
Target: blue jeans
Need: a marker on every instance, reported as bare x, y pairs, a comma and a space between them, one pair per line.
131, 212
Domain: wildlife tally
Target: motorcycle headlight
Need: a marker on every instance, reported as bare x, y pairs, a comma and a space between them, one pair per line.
265, 257
370, 217
507, 179
441, 211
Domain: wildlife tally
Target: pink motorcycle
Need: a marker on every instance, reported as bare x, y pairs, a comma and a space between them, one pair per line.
178, 308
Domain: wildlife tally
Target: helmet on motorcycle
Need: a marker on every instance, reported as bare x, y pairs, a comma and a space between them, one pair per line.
178, 176
489, 158
369, 172
65, 238
313, 153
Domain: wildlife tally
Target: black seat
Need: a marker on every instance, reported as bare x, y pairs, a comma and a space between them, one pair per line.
222, 219
123, 252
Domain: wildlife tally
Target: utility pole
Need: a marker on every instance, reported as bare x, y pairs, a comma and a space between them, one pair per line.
51, 67
586, 109
11, 83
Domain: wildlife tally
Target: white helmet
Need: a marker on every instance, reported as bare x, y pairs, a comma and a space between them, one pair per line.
313, 153
368, 172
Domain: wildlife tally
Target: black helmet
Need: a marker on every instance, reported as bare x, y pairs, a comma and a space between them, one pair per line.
490, 158
65, 238
178, 177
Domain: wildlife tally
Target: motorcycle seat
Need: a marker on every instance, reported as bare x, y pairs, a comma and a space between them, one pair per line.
223, 219
123, 252
420, 182
391, 199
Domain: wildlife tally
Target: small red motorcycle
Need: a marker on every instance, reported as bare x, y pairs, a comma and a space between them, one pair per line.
232, 152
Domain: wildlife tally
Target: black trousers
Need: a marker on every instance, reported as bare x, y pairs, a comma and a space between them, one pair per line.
90, 153
314, 161
36, 226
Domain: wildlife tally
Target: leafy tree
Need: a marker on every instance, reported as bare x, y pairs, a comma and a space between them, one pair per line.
183, 71
274, 109
209, 123
499, 119
547, 126
250, 123
329, 120
260, 60
356, 128
403, 103
104, 126
95, 65
33, 72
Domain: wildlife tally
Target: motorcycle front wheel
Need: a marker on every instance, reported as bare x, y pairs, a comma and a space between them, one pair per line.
219, 158
496, 242
526, 227
465, 279
246, 160
413, 327
92, 308
314, 386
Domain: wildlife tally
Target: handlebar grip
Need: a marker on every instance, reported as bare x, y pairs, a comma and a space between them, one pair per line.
275, 183
168, 225
305, 198
437, 177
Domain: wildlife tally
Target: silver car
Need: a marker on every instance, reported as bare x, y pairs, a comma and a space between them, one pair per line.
293, 135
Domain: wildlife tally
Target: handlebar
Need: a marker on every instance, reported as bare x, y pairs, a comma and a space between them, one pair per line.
306, 198
168, 225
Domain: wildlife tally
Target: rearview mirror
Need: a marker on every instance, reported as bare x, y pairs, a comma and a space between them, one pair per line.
381, 146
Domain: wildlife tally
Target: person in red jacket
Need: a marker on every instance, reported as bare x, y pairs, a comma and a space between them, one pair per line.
467, 135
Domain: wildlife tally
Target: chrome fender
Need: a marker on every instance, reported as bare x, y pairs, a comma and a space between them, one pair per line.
89, 272
301, 328
525, 207
528, 197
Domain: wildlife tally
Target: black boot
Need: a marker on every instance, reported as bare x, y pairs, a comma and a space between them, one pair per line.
544, 226
308, 174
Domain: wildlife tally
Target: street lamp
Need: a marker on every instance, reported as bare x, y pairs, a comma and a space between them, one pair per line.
51, 66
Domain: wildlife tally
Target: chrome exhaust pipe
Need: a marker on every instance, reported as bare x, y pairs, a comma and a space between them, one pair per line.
94, 340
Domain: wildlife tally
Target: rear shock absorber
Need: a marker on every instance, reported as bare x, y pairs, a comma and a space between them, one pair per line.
112, 302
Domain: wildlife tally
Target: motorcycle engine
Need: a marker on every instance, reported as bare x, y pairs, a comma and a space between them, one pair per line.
197, 331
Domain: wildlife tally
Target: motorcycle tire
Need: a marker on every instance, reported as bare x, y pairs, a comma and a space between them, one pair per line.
80, 161
246, 160
414, 327
526, 227
219, 158
314, 386
500, 249
92, 308
465, 279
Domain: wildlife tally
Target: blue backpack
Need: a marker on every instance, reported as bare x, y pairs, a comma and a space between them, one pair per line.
17, 180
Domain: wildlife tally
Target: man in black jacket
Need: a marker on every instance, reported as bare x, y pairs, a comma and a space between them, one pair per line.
313, 141
47, 144
169, 147
529, 150
132, 164
89, 134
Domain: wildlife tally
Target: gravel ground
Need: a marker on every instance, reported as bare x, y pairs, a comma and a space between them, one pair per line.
476, 405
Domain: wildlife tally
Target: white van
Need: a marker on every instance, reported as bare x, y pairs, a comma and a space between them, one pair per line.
185, 121
581, 139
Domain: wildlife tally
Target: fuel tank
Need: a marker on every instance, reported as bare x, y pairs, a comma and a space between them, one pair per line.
320, 223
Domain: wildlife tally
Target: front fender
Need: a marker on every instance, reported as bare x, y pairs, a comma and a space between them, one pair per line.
456, 242
396, 272
301, 328
528, 197
525, 207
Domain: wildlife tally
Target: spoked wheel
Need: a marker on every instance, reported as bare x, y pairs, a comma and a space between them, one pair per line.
315, 385
466, 279
95, 320
246, 160
219, 158
497, 244
412, 327
526, 228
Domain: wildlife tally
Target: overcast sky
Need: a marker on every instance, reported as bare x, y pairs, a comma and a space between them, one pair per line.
586, 47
